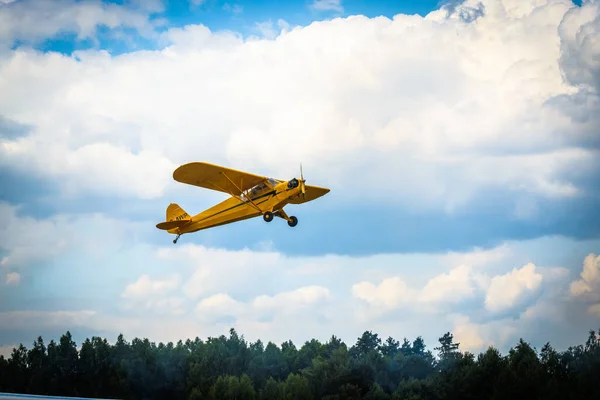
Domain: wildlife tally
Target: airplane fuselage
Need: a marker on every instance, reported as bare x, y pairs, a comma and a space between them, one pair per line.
269, 197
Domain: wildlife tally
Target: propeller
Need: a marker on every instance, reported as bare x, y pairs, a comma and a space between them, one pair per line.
302, 181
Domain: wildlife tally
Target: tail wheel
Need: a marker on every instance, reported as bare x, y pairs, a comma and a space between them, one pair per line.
268, 216
293, 221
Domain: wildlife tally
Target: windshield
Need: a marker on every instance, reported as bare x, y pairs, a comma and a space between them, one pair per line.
258, 188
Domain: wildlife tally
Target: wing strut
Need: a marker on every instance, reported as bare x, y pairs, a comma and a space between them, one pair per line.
219, 187
236, 186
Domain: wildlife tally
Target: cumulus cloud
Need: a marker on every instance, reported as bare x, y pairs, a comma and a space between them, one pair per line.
587, 289
154, 294
31, 21
466, 11
145, 287
390, 293
435, 105
469, 335
218, 306
293, 298
580, 49
499, 294
454, 286
213, 270
590, 277
505, 291
476, 337
301, 301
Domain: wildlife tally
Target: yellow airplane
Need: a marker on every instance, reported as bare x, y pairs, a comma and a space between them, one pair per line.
251, 195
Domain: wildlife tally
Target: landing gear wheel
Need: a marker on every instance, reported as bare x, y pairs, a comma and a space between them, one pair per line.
268, 216
293, 221
176, 239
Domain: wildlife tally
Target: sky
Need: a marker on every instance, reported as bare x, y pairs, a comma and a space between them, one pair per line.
460, 141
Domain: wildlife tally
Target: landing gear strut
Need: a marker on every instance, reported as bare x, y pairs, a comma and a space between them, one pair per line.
176, 239
292, 221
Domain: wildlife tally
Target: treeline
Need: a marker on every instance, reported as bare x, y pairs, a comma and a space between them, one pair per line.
232, 368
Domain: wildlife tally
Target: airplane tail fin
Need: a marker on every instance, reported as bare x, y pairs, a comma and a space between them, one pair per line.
176, 218
176, 213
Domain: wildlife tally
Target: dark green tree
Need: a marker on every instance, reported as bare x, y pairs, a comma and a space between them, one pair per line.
227, 367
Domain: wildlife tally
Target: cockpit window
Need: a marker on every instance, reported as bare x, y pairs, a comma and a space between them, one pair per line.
258, 188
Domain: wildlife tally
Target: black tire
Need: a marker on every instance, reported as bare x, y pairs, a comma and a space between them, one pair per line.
268, 216
293, 221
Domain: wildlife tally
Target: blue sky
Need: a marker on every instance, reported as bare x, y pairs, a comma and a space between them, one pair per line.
463, 171
237, 16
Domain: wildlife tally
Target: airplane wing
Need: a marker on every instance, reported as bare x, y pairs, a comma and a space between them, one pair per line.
215, 177
312, 193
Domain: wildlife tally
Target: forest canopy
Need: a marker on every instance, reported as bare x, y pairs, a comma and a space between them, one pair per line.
229, 367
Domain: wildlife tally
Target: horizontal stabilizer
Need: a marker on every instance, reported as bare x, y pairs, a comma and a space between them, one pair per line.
176, 218
166, 226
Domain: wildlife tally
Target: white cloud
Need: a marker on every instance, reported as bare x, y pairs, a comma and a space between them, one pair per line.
499, 293
262, 295
219, 305
293, 300
26, 240
453, 286
445, 126
590, 277
478, 257
146, 287
214, 270
327, 5
306, 299
182, 291
506, 291
587, 289
468, 335
476, 337
580, 31
35, 20
154, 294
390, 293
